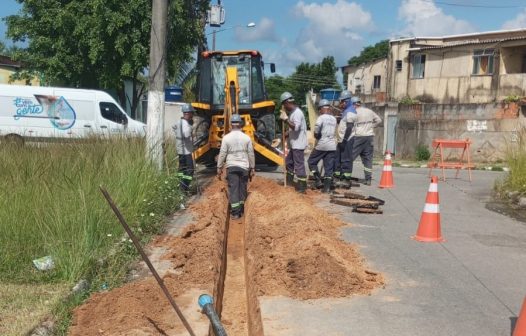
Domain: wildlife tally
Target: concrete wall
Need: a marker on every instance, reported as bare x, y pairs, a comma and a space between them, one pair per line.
491, 127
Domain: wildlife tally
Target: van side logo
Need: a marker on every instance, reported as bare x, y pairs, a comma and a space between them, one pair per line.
56, 109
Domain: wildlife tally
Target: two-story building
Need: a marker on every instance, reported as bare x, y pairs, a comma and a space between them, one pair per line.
470, 68
458, 86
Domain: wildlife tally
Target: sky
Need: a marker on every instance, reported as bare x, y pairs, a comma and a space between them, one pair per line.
289, 32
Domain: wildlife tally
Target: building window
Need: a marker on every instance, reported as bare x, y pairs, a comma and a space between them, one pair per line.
358, 89
419, 65
483, 62
376, 82
398, 65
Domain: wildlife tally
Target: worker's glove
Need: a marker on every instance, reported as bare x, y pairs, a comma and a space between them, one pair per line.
251, 174
317, 136
283, 115
219, 173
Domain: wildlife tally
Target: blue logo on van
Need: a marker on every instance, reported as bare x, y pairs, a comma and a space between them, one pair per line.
57, 109
25, 107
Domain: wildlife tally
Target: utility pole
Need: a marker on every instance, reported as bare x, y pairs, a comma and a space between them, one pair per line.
157, 78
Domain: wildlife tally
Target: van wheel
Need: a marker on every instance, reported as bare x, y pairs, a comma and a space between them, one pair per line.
14, 139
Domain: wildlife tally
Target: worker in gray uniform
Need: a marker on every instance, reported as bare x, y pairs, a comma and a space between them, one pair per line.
185, 147
297, 137
343, 157
237, 155
363, 133
346, 140
325, 148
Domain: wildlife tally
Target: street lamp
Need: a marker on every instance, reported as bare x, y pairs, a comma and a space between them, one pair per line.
213, 33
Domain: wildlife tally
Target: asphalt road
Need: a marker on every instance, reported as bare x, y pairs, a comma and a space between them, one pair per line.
472, 284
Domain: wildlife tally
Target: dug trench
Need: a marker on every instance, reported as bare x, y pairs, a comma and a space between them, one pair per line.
284, 245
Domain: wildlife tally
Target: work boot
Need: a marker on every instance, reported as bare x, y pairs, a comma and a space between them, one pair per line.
290, 179
366, 182
347, 183
327, 183
301, 184
317, 180
336, 176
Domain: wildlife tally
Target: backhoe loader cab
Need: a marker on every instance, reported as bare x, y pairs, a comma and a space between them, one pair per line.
232, 82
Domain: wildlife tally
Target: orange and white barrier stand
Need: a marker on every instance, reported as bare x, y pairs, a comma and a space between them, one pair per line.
429, 227
387, 174
520, 326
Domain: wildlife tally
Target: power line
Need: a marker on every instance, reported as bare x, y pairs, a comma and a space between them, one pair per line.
474, 6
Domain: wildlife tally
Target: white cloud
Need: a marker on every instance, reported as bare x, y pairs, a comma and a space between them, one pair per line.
333, 29
424, 18
263, 31
337, 17
518, 22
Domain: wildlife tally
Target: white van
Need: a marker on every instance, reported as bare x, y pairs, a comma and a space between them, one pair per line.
37, 113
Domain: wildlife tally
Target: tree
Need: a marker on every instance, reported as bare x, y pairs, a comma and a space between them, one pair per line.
315, 76
101, 43
307, 76
369, 53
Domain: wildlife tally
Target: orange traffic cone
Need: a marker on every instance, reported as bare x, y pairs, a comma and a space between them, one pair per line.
429, 227
387, 174
520, 326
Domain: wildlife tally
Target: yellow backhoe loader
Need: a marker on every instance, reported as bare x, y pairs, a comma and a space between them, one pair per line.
231, 82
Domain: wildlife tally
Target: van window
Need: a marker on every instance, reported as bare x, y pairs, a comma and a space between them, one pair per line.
111, 112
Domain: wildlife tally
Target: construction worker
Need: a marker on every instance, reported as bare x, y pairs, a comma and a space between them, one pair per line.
345, 96
297, 137
185, 147
345, 139
325, 149
363, 133
237, 154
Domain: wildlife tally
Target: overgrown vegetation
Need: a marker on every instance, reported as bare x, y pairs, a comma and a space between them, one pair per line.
513, 99
50, 204
422, 153
408, 101
515, 180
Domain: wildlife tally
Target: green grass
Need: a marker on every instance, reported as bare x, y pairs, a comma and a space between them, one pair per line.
515, 180
50, 204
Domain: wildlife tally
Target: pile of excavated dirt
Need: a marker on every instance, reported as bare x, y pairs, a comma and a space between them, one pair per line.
140, 308
295, 248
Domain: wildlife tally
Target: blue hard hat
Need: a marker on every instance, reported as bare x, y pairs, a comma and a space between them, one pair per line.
356, 100
236, 119
345, 95
324, 102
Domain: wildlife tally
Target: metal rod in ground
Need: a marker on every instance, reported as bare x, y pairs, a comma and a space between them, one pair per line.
146, 259
198, 187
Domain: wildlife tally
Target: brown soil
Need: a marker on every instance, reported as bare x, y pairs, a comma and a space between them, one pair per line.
140, 308
292, 248
296, 250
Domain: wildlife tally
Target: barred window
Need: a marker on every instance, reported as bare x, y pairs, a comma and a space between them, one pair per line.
483, 62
